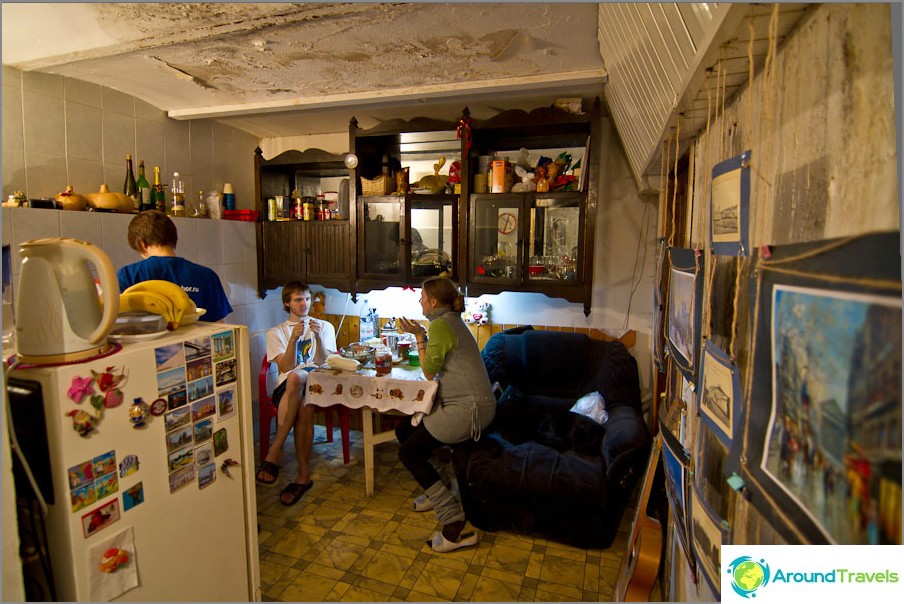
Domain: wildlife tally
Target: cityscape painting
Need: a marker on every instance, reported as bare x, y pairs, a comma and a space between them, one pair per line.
685, 290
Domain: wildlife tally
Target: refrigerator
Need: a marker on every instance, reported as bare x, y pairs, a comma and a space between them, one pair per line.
144, 460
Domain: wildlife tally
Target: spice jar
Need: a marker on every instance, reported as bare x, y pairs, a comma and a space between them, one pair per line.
383, 360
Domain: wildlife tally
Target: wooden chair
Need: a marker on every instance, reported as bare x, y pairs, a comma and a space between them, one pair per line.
266, 412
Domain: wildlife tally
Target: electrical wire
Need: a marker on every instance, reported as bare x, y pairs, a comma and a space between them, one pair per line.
641, 237
17, 451
348, 298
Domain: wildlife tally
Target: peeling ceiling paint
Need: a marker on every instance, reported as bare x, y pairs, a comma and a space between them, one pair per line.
191, 57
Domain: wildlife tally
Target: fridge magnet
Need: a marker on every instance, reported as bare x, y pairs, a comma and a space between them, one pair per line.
169, 357
106, 485
100, 518
225, 403
220, 442
200, 388
204, 455
708, 535
179, 438
226, 373
112, 567
826, 387
177, 418
170, 381
176, 400
80, 474
203, 408
158, 407
128, 465
80, 388
133, 496
197, 369
104, 464
206, 475
197, 348
139, 412
228, 463
685, 293
203, 430
82, 422
181, 458
179, 479
730, 207
82, 497
223, 346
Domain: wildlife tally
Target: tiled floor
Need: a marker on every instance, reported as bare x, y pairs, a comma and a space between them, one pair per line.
336, 544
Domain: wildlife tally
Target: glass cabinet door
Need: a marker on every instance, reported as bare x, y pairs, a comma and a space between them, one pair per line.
554, 240
497, 238
433, 237
382, 237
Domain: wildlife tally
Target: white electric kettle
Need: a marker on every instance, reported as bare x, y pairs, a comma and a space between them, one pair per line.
58, 313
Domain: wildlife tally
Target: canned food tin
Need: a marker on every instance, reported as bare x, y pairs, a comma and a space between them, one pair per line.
299, 210
272, 210
308, 210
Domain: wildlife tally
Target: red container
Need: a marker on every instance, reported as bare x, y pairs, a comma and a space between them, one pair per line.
246, 215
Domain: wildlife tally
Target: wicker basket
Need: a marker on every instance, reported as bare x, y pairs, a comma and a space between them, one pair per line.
381, 185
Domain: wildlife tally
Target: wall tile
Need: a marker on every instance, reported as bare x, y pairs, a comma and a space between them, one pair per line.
176, 144
211, 233
82, 225
6, 225
119, 138
44, 130
149, 146
85, 93
118, 102
115, 228
84, 131
189, 244
13, 137
11, 77
146, 111
231, 276
201, 156
237, 316
43, 83
45, 175
238, 236
31, 224
13, 169
85, 175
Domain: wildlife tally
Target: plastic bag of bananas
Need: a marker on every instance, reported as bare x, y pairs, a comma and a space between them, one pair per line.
161, 298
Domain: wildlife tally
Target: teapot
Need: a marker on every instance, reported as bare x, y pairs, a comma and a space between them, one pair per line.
59, 318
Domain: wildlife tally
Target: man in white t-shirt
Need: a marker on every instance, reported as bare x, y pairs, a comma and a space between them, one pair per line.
296, 346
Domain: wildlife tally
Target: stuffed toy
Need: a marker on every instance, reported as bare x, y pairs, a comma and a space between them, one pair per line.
477, 312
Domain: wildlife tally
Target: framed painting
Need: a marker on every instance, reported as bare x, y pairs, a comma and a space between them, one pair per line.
730, 206
719, 388
710, 466
708, 533
823, 432
685, 293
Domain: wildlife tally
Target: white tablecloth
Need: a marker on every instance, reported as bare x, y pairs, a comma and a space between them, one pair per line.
404, 390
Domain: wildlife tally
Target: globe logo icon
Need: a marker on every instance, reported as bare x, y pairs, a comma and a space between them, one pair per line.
748, 575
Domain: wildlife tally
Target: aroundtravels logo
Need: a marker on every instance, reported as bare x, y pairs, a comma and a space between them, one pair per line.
748, 575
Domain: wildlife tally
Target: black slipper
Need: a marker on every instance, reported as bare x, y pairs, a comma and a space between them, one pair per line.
270, 468
295, 490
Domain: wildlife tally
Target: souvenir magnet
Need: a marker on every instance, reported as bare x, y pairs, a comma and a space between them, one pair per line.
80, 388
228, 463
82, 422
138, 413
113, 559
158, 407
128, 465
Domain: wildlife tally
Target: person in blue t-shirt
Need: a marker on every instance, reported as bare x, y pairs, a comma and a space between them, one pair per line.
153, 235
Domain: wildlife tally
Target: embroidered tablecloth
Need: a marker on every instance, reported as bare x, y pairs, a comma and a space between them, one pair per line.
404, 390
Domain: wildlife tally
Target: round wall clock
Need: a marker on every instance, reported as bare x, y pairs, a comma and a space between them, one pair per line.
507, 223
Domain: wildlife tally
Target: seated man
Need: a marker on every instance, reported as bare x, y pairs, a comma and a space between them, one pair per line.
297, 346
153, 235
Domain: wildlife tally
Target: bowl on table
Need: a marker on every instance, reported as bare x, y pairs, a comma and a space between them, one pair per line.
358, 351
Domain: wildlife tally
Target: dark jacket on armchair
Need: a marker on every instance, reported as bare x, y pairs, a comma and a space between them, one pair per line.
541, 469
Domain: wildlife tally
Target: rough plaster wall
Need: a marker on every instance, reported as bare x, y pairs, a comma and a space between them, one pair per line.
824, 162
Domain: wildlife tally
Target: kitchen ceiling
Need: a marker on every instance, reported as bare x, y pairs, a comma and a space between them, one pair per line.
295, 69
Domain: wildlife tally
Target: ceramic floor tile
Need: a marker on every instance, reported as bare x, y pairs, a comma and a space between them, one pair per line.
339, 555
374, 585
308, 588
387, 567
503, 557
336, 594
592, 577
502, 575
489, 589
554, 592
466, 587
417, 596
563, 571
439, 580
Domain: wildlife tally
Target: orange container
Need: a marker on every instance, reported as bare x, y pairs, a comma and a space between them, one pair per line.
498, 176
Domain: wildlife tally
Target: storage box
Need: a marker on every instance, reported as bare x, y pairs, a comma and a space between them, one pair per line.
246, 215
498, 176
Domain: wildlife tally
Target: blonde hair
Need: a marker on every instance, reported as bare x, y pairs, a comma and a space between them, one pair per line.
444, 291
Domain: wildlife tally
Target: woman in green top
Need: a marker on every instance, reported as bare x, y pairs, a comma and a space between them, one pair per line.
464, 405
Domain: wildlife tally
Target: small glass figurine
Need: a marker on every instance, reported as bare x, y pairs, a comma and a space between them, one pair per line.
138, 413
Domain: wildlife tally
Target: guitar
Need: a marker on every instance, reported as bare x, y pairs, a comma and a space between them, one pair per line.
640, 565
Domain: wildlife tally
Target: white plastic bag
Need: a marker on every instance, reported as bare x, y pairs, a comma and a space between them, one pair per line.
592, 405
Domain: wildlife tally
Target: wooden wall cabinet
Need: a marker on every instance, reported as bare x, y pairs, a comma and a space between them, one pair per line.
319, 252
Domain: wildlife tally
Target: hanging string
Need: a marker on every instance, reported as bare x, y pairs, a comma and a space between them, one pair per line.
663, 188
724, 75
751, 33
675, 184
742, 264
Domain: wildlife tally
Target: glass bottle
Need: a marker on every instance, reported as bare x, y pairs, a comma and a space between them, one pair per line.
129, 187
178, 196
144, 189
158, 196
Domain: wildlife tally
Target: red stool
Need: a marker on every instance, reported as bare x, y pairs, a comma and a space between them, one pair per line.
266, 412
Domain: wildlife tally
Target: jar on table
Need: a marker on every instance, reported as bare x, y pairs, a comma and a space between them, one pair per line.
383, 360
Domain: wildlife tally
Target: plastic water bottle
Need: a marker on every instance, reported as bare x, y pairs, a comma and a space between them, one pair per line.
367, 323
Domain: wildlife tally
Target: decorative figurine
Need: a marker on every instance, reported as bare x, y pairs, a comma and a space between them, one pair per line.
139, 412
82, 422
228, 463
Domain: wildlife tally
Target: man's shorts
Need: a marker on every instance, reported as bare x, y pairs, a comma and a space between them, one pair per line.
280, 390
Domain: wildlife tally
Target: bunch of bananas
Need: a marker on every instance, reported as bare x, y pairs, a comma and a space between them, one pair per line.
159, 297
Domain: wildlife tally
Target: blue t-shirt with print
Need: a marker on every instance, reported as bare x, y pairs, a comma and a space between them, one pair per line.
200, 283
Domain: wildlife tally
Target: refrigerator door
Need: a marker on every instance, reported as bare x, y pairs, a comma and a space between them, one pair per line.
176, 493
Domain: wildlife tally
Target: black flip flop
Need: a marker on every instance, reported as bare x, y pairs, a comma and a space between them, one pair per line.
296, 490
270, 468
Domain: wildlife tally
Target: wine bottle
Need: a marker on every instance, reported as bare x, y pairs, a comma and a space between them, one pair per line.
144, 189
158, 197
178, 196
129, 187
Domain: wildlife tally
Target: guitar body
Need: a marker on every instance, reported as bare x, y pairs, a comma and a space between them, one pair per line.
640, 566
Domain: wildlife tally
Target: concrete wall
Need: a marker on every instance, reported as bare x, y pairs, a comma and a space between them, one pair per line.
821, 129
